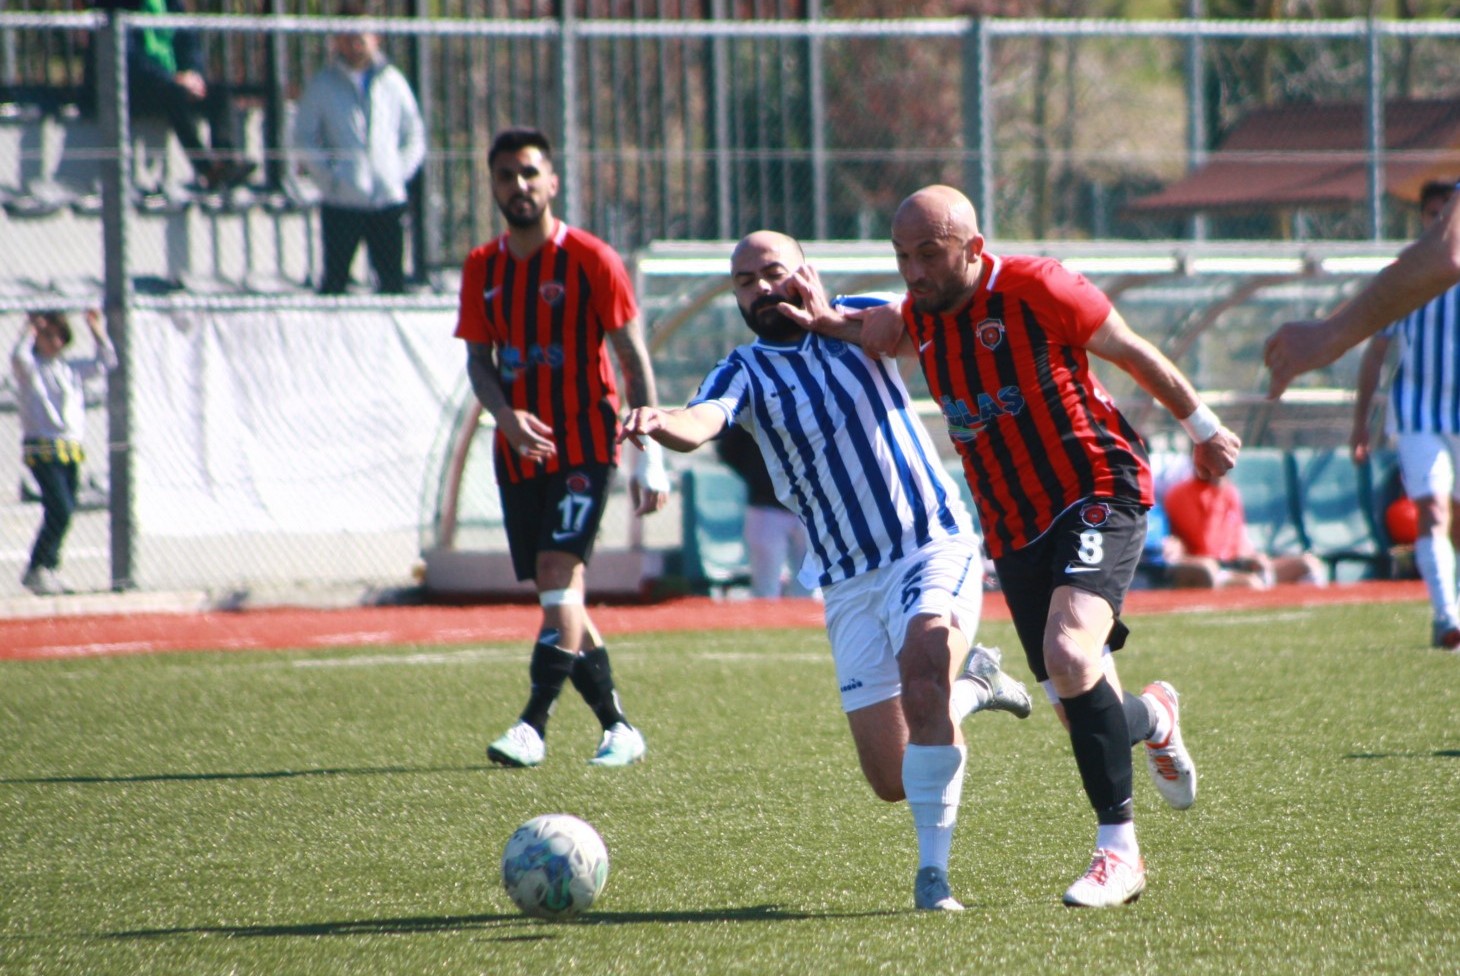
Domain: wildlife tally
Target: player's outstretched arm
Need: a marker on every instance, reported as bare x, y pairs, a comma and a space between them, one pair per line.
1423, 270
649, 481
878, 330
682, 429
1371, 366
883, 333
1216, 447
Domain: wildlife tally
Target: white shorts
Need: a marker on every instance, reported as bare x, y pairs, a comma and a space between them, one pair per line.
1427, 462
867, 616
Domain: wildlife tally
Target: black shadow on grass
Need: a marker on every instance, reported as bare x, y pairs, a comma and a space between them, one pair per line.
455, 923
1437, 754
263, 774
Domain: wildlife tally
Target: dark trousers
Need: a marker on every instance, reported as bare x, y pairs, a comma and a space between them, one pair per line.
384, 234
185, 114
59, 482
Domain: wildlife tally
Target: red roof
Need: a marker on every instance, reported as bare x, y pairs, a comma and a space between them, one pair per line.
1314, 155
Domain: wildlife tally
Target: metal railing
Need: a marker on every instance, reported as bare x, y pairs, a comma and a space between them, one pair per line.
704, 129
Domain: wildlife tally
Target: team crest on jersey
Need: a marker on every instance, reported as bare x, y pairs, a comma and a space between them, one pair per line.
578, 483
990, 332
1095, 514
552, 292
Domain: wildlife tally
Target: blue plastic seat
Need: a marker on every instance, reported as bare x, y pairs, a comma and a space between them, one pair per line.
1333, 506
713, 523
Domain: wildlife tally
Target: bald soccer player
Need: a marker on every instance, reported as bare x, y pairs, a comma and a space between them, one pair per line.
1062, 485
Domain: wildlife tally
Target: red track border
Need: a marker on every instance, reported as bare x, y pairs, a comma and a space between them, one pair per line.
302, 629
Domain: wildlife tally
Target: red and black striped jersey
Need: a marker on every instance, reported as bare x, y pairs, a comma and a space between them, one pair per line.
547, 316
1036, 430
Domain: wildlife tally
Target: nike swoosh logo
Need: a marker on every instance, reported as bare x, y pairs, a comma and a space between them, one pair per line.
1082, 569
924, 346
560, 536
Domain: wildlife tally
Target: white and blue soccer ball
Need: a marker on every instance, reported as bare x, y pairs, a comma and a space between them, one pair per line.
554, 866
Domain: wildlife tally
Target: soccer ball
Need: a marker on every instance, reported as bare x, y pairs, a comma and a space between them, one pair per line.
554, 866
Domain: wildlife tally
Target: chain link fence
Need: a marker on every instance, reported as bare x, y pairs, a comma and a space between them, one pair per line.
259, 435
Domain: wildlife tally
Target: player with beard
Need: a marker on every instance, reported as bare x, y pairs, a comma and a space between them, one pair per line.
538, 306
891, 544
1062, 485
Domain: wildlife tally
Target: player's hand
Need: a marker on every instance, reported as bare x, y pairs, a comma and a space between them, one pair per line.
815, 313
94, 322
646, 500
1294, 349
640, 423
527, 435
649, 484
882, 329
1358, 444
1215, 457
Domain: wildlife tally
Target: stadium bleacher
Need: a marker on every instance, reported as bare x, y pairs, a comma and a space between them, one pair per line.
1304, 499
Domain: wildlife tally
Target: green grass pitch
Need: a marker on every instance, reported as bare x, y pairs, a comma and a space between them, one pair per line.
333, 812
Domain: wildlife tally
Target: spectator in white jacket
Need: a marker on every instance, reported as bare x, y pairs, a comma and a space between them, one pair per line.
359, 133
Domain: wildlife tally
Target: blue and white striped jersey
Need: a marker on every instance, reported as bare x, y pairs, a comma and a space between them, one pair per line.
1425, 395
845, 449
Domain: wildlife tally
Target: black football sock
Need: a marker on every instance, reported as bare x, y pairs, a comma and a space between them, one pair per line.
1101, 742
1138, 717
550, 667
593, 677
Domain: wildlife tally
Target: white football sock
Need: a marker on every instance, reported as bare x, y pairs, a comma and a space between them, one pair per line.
966, 695
1434, 557
1161, 726
932, 778
1120, 838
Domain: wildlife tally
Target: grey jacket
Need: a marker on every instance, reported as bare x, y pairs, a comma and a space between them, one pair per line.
360, 146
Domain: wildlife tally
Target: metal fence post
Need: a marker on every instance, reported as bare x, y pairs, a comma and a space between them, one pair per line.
978, 123
1374, 128
1196, 117
816, 68
720, 81
425, 220
112, 106
573, 212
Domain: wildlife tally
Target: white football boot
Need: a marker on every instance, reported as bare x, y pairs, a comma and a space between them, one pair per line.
519, 746
1108, 882
1170, 764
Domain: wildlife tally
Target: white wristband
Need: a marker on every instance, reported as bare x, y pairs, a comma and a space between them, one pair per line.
1202, 425
651, 472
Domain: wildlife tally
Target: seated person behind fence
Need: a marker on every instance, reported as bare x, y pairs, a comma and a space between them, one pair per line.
165, 77
1208, 545
774, 537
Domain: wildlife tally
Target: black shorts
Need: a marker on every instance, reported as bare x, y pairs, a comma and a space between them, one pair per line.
558, 512
1093, 546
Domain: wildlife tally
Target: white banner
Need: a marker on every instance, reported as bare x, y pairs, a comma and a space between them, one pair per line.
287, 420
